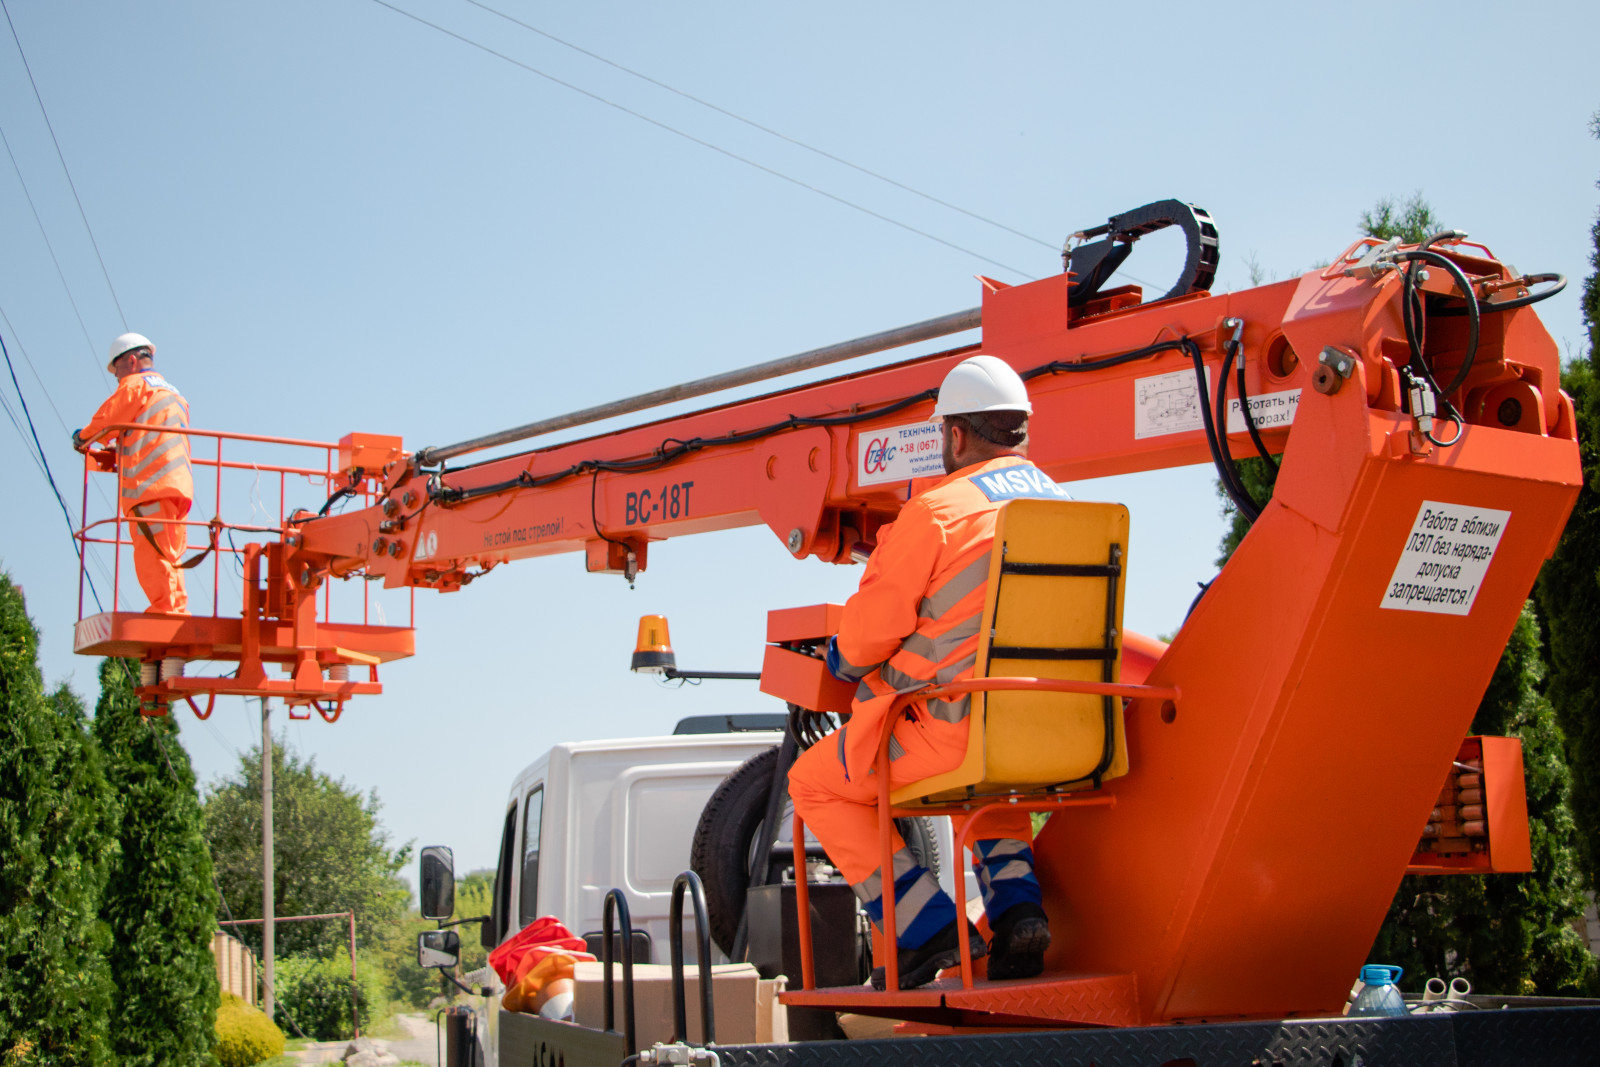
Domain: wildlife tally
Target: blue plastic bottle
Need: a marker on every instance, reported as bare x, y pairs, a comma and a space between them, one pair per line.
1378, 994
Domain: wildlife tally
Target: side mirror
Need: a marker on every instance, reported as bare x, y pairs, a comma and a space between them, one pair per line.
438, 948
438, 882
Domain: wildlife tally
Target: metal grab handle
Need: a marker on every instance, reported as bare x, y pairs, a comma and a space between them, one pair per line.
617, 904
690, 881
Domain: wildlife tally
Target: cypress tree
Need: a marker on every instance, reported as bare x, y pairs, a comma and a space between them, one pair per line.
55, 990
1569, 588
161, 902
1506, 933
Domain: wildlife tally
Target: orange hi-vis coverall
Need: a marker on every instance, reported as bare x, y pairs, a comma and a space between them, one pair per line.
155, 480
914, 621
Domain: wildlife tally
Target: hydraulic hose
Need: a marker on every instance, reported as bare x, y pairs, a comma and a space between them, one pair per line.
1414, 336
1219, 458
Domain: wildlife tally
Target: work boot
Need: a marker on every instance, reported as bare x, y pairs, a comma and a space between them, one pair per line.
1020, 937
919, 966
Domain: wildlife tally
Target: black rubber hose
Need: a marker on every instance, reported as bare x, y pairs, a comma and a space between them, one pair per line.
1221, 422
1560, 281
1250, 422
1240, 498
1473, 324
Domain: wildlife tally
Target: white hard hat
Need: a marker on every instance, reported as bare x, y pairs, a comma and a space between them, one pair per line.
127, 343
982, 383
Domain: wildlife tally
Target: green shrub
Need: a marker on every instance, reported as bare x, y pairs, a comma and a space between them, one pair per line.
245, 1036
316, 995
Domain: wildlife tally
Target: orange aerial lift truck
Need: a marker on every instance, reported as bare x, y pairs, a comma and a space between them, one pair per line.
1213, 903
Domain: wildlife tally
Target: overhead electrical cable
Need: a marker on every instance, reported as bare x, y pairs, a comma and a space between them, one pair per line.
703, 143
45, 460
52, 249
65, 170
12, 415
22, 348
29, 360
1054, 247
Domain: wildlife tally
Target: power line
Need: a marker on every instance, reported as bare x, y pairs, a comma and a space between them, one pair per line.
704, 144
29, 360
59, 273
45, 460
64, 169
105, 572
12, 415
767, 129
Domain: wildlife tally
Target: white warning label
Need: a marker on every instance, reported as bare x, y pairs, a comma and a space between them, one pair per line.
899, 453
1445, 558
1166, 403
1267, 411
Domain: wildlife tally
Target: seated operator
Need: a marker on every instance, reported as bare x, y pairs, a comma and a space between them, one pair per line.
913, 621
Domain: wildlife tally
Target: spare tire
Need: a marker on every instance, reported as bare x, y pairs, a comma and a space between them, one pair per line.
725, 841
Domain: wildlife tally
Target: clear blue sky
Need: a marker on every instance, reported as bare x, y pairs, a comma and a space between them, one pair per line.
332, 218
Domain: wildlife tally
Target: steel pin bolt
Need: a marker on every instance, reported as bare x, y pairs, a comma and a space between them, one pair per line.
796, 538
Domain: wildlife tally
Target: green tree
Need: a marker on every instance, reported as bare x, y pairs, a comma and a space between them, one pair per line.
1569, 588
160, 901
330, 854
55, 988
1410, 220
1507, 933
474, 896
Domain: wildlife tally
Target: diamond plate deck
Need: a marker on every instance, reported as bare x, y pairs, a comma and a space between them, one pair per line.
1563, 1037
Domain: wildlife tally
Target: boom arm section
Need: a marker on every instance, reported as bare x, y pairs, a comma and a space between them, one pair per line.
1117, 386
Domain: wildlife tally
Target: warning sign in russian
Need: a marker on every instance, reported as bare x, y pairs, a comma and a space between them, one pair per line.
1266, 411
899, 453
1445, 558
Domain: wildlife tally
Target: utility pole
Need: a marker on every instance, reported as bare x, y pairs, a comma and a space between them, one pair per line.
267, 918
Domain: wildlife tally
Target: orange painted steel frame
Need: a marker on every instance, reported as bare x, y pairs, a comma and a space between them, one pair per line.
805, 485
280, 623
1204, 881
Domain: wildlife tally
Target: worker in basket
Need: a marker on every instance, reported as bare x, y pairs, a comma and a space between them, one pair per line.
914, 621
156, 482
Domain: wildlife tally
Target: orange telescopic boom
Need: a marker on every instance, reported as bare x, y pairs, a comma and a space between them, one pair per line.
1327, 676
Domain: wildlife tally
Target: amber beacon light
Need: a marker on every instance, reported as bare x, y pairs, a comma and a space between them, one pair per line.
652, 653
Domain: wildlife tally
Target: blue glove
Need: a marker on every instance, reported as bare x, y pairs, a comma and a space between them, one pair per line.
836, 662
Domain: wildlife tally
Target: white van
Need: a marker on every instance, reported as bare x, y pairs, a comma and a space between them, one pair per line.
589, 816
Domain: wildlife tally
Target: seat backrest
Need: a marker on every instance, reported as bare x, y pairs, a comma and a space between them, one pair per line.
1053, 609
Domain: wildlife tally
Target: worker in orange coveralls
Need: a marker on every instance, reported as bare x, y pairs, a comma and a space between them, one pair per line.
914, 621
155, 482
